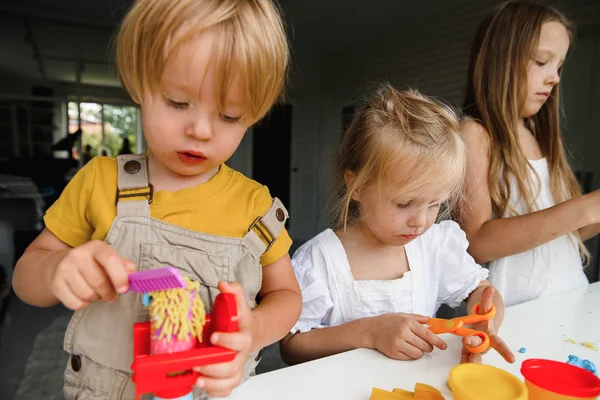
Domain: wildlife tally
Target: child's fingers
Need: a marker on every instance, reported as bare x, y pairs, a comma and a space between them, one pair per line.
420, 344
80, 288
464, 355
410, 350
429, 337
238, 341
114, 266
398, 355
222, 370
487, 300
472, 341
475, 358
421, 319
502, 348
130, 266
66, 296
218, 387
97, 279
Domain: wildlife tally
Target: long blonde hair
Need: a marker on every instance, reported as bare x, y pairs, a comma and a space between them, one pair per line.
404, 139
496, 90
250, 36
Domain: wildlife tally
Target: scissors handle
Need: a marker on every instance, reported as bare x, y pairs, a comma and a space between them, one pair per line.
440, 325
475, 317
485, 340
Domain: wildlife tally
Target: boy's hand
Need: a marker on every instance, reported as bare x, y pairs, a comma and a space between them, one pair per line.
403, 337
220, 379
488, 327
90, 272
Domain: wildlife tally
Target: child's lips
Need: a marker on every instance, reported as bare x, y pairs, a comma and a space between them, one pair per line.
409, 237
191, 157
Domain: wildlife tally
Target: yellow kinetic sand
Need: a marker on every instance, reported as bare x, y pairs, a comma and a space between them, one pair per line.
422, 392
477, 381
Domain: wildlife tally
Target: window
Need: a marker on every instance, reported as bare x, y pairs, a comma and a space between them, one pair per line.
106, 128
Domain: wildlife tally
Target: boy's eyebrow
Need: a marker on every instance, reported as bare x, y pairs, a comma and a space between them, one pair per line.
174, 84
179, 85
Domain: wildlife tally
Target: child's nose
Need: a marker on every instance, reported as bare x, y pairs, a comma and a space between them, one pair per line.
200, 128
553, 78
418, 219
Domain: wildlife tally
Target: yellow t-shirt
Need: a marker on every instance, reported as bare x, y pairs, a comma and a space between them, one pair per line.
226, 205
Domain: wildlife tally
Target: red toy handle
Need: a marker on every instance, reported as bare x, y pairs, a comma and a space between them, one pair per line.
224, 315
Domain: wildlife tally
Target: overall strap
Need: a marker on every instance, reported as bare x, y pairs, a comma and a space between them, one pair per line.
133, 183
266, 229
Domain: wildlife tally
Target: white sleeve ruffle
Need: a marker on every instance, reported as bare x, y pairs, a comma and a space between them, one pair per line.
310, 267
459, 273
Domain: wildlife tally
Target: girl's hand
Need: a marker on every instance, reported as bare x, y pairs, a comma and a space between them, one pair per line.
90, 272
403, 337
488, 327
220, 379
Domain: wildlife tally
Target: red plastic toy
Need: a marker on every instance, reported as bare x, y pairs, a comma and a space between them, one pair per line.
170, 376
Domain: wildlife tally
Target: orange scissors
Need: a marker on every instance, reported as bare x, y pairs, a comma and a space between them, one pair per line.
456, 327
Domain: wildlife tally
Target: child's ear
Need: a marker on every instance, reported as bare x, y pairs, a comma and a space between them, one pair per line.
350, 178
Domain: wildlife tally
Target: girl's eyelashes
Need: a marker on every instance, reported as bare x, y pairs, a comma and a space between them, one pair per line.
230, 119
176, 104
541, 63
406, 205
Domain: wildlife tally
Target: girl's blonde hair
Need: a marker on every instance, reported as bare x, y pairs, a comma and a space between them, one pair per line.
250, 36
404, 140
504, 45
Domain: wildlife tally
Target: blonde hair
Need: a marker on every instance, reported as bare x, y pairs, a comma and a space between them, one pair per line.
404, 139
504, 44
249, 34
177, 313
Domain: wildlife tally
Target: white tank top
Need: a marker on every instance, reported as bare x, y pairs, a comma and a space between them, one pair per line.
551, 268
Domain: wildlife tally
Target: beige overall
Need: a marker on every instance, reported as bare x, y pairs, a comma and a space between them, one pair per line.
99, 339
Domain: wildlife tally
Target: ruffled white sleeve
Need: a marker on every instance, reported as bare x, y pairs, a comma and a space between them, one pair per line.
310, 267
459, 274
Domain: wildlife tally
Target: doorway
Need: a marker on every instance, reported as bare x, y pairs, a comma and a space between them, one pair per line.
271, 152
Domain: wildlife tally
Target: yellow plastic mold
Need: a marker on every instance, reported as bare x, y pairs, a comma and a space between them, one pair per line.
472, 381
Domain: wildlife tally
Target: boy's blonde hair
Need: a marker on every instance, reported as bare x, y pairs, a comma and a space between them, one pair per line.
250, 36
404, 140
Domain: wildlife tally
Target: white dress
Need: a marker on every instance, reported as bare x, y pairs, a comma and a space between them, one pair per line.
441, 271
551, 268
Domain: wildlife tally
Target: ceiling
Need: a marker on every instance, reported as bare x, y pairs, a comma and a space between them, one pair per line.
58, 39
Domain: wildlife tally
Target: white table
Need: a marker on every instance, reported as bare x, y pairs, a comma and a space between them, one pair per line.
541, 326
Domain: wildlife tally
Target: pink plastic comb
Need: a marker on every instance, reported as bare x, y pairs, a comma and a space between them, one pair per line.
155, 279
